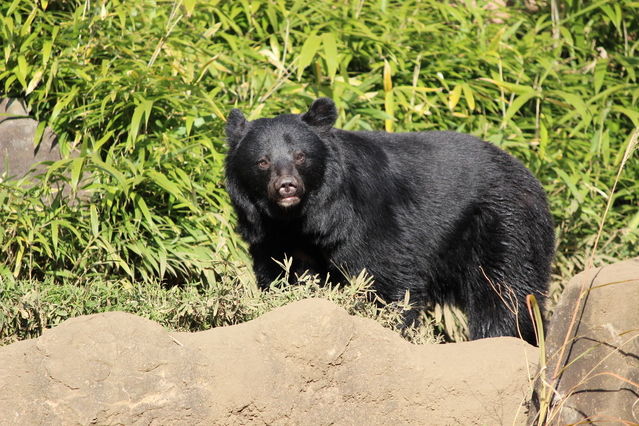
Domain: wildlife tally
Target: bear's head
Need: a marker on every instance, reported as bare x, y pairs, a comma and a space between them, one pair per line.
277, 163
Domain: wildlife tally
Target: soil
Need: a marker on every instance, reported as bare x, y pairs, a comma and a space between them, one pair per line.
306, 363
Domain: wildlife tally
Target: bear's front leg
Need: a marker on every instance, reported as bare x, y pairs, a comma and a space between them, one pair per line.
264, 266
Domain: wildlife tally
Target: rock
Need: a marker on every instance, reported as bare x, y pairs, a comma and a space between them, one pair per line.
17, 152
596, 377
306, 363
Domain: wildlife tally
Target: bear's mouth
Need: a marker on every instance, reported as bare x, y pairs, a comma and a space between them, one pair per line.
286, 191
289, 195
289, 201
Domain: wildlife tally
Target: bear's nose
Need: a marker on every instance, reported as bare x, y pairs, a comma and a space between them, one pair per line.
287, 186
287, 182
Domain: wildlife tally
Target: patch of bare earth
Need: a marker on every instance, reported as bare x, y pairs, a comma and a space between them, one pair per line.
306, 363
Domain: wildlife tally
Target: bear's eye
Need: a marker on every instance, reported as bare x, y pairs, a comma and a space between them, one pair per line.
263, 163
299, 157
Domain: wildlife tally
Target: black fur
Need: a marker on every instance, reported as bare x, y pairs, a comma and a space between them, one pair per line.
442, 214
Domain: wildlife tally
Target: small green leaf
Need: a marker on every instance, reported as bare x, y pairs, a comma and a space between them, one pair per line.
188, 124
134, 128
46, 51
387, 77
147, 106
330, 54
60, 164
95, 224
468, 95
22, 70
189, 6
600, 74
141, 205
633, 224
95, 159
37, 137
543, 139
76, 172
571, 184
511, 87
389, 106
54, 234
162, 181
309, 49
162, 260
630, 113
62, 103
35, 80
576, 102
104, 139
517, 104
453, 97
18, 260
612, 15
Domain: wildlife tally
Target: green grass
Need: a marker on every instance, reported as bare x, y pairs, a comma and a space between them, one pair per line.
27, 307
138, 91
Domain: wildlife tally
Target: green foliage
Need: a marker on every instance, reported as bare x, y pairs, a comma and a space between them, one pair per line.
28, 307
138, 92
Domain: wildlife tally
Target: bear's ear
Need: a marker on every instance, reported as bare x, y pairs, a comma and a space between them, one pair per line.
236, 127
322, 114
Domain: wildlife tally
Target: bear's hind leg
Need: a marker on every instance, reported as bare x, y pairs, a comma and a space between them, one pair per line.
497, 309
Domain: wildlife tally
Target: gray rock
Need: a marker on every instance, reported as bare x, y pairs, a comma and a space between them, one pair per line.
593, 375
306, 363
18, 155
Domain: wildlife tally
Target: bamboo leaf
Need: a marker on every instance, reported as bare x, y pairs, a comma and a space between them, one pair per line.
95, 223
387, 77
35, 80
633, 223
570, 182
136, 120
330, 53
632, 114
309, 49
76, 172
600, 74
18, 260
22, 70
389, 107
37, 137
468, 95
56, 165
141, 205
576, 102
189, 6
511, 87
122, 183
453, 97
61, 104
162, 263
517, 104
165, 183
54, 234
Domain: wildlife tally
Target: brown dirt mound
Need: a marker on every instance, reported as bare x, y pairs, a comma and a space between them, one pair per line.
306, 363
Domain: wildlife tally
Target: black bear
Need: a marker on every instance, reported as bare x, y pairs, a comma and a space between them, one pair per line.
445, 215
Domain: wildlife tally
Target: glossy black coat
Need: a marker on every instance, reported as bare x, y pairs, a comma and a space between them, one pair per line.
442, 214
